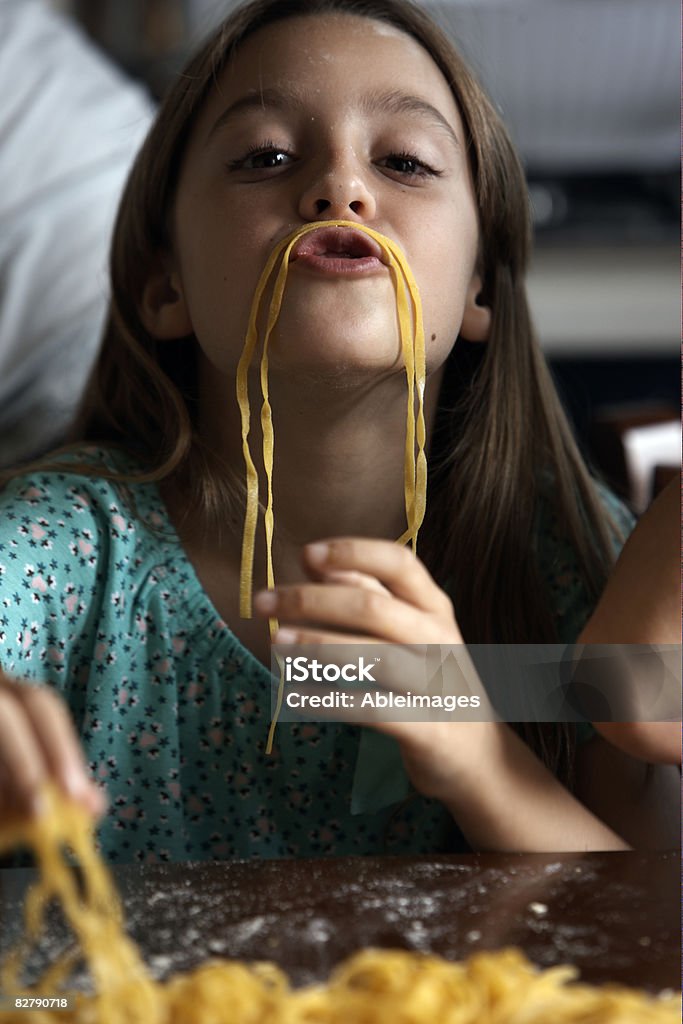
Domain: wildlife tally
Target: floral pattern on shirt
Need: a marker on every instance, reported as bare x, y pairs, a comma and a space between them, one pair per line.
173, 712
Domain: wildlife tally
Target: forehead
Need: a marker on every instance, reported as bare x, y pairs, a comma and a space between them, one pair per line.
332, 57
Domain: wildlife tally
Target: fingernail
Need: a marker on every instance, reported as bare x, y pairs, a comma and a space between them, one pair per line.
97, 800
74, 784
285, 636
37, 805
266, 601
317, 553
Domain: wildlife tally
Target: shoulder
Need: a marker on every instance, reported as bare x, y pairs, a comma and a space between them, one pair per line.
69, 523
67, 540
68, 504
620, 519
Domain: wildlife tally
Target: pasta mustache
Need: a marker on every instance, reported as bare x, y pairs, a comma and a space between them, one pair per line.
413, 348
373, 986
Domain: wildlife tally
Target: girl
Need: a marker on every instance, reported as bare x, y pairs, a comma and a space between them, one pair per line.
119, 558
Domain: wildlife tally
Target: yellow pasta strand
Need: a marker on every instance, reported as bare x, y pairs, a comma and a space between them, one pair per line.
412, 342
372, 987
413, 349
408, 350
420, 489
94, 915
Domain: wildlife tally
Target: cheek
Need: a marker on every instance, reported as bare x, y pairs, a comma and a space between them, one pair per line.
219, 273
444, 271
214, 238
443, 295
443, 313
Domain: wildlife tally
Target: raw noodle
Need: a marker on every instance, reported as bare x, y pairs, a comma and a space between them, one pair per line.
413, 348
372, 987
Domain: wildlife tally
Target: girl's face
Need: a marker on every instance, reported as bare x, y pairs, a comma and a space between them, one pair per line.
324, 118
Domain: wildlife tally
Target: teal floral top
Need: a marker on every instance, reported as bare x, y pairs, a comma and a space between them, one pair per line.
173, 712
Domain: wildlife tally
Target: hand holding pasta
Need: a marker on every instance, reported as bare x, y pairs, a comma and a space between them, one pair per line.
411, 329
375, 591
386, 595
37, 743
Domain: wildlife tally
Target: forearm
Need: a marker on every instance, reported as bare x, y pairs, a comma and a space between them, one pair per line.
38, 744
654, 742
507, 800
641, 603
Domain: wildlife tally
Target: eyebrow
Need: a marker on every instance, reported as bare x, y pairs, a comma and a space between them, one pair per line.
392, 102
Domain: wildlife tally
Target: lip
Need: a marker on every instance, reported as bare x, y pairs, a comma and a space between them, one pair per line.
337, 250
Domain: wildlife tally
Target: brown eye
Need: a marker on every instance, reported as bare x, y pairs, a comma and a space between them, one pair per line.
264, 157
404, 165
408, 165
271, 158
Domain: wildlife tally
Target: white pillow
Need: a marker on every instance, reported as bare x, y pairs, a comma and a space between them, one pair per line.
70, 125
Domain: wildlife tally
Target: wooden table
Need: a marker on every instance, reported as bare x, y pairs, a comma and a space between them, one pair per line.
613, 915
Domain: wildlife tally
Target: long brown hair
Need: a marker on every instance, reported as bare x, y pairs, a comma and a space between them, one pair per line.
502, 445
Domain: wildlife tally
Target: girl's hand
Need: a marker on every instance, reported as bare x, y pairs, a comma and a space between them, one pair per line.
38, 744
500, 794
364, 590
373, 591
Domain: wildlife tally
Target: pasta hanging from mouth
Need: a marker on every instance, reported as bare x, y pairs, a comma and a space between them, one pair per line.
413, 348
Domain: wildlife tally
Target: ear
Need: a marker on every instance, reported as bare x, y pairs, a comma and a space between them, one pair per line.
163, 309
476, 321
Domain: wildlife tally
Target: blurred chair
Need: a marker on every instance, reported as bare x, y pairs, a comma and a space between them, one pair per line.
638, 448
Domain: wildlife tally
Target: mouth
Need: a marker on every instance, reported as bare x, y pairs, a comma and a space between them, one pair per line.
338, 250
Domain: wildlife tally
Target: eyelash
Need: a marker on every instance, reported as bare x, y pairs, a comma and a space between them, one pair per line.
425, 170
261, 149
267, 146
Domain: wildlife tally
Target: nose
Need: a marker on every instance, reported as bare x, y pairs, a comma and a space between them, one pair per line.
338, 190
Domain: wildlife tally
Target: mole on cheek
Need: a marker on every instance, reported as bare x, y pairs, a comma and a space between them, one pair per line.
433, 337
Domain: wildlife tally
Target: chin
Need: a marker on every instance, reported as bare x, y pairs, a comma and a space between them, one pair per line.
357, 318
340, 368
335, 349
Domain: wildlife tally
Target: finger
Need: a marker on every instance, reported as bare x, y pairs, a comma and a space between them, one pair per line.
401, 670
306, 637
23, 760
394, 566
49, 748
351, 609
60, 745
350, 577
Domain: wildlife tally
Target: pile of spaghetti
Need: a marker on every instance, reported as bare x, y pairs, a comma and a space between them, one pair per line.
373, 987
